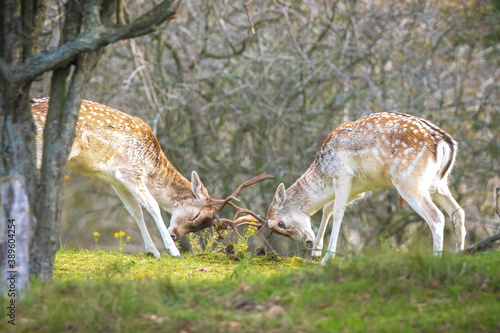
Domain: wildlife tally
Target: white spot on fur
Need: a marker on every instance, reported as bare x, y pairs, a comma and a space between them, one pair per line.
407, 151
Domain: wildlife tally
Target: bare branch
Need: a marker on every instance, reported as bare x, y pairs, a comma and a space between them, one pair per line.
88, 42
483, 244
497, 195
245, 6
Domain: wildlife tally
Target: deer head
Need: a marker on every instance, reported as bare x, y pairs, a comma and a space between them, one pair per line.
289, 220
206, 213
196, 214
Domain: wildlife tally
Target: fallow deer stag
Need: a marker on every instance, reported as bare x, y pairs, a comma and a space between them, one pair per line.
381, 150
123, 151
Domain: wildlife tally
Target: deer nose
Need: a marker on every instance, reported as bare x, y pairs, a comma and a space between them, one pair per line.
175, 235
309, 244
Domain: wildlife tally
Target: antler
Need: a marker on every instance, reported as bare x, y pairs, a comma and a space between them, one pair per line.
250, 219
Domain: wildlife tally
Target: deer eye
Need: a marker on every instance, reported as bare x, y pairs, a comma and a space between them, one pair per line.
194, 218
281, 224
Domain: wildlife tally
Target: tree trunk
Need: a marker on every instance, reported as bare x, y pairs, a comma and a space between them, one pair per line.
58, 136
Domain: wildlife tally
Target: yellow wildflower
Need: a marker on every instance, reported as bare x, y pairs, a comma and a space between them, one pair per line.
404, 250
116, 235
96, 234
128, 238
122, 233
141, 276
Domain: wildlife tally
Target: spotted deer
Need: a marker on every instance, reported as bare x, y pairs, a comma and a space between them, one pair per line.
123, 151
378, 151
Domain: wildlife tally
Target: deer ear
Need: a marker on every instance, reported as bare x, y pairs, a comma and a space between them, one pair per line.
197, 186
279, 197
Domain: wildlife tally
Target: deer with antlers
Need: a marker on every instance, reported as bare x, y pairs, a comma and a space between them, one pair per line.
123, 151
379, 151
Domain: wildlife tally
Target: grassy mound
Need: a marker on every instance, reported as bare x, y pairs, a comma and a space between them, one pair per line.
96, 291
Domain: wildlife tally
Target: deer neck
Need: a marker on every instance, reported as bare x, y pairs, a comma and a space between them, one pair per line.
169, 187
310, 192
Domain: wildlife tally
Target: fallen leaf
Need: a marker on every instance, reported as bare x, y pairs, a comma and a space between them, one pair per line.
322, 305
244, 287
230, 326
274, 311
153, 317
234, 325
362, 297
434, 283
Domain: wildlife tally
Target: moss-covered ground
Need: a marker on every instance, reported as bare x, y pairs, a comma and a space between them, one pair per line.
99, 291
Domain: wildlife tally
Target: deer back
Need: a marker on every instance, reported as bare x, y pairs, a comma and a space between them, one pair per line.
388, 145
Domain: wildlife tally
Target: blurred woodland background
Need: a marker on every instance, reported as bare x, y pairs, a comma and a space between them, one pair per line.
232, 92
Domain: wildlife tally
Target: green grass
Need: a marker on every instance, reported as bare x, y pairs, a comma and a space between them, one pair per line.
96, 291
80, 266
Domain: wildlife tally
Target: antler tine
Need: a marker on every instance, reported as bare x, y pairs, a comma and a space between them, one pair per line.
245, 220
254, 180
222, 224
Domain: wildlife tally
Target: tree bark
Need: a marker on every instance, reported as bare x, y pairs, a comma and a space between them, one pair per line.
21, 24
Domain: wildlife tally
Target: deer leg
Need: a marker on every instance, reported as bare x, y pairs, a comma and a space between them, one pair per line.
144, 197
444, 198
134, 208
342, 193
317, 250
421, 202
